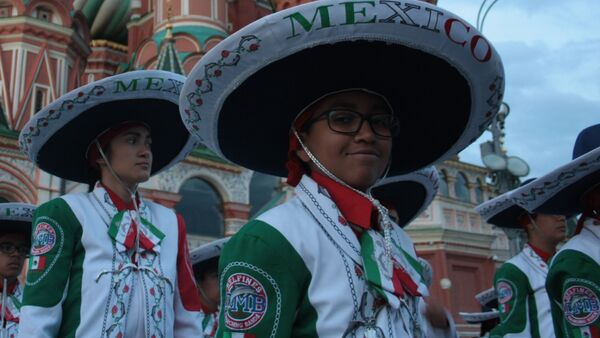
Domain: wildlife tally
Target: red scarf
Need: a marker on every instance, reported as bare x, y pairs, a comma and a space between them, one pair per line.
545, 256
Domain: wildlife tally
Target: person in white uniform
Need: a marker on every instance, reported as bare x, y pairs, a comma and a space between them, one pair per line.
15, 243
334, 95
115, 264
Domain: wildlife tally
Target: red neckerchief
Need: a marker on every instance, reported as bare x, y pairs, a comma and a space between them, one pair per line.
11, 286
355, 208
543, 255
118, 202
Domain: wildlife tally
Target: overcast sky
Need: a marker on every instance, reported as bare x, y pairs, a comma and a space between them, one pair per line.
551, 56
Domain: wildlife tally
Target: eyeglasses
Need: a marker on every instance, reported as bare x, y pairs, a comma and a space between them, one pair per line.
10, 248
349, 122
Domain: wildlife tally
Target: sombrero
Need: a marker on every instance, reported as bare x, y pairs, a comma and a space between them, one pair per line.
442, 78
489, 302
57, 137
502, 210
16, 217
559, 192
207, 251
409, 194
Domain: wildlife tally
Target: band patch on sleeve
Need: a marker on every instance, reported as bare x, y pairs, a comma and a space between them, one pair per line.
581, 305
245, 302
505, 294
44, 239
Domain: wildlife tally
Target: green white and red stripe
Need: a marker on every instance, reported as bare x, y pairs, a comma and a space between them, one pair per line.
123, 230
405, 278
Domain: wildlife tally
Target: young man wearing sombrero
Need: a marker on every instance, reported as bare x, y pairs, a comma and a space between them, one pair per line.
334, 95
573, 281
112, 263
520, 282
205, 262
15, 239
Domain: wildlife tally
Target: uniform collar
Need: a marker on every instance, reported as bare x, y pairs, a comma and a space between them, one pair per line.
118, 202
357, 209
12, 286
545, 256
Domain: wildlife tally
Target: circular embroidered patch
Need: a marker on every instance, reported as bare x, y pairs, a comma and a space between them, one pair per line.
581, 305
44, 238
245, 303
505, 292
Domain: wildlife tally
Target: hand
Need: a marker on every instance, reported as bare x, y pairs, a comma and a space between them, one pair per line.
436, 315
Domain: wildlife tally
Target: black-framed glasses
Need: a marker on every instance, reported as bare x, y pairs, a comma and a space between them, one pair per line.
347, 121
10, 248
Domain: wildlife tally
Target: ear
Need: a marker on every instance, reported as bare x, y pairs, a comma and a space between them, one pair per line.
100, 161
300, 152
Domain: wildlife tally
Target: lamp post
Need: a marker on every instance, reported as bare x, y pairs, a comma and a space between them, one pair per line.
505, 171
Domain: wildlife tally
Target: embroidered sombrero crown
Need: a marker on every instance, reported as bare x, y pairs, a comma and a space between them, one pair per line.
560, 191
57, 137
16, 217
409, 194
443, 79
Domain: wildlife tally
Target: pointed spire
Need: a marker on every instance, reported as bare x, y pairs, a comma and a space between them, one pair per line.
168, 57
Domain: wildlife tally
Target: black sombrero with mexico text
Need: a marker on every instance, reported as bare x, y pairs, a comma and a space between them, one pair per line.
443, 79
57, 138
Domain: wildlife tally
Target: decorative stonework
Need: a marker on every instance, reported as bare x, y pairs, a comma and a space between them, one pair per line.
233, 187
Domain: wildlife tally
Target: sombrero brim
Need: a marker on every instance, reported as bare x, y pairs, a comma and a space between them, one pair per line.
208, 251
478, 317
488, 298
560, 191
16, 218
57, 138
410, 194
242, 97
501, 211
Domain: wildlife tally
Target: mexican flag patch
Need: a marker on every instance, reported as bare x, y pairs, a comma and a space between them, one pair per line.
37, 263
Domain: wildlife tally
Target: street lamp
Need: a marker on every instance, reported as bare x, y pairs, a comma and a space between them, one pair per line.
505, 171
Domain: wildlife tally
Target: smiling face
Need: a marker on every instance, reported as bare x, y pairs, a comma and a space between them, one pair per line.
130, 155
358, 159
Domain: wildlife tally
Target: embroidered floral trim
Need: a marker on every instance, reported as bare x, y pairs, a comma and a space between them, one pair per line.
229, 58
56, 114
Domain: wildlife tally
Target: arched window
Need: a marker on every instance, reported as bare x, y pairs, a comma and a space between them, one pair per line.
202, 208
461, 188
264, 192
479, 191
443, 184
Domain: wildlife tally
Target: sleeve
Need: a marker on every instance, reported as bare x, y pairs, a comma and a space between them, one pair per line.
512, 287
187, 301
574, 291
263, 285
55, 239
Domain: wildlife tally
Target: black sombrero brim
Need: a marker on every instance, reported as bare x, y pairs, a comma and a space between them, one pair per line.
20, 227
501, 211
407, 197
169, 136
559, 192
429, 125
